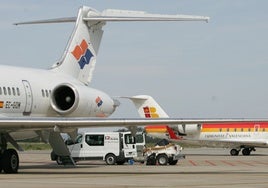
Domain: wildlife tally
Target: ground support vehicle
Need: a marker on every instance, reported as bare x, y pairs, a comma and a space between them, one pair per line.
162, 153
112, 147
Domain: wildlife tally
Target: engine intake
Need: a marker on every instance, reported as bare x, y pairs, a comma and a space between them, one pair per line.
64, 99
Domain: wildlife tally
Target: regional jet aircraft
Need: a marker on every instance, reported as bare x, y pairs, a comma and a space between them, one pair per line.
245, 136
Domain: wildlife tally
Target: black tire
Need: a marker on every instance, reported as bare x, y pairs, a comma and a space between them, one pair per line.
234, 152
110, 159
246, 151
120, 162
151, 159
173, 162
10, 161
59, 160
162, 159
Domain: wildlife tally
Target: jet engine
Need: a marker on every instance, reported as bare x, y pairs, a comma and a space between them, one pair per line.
64, 99
81, 100
188, 129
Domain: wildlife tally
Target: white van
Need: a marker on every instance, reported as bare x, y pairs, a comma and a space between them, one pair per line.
113, 147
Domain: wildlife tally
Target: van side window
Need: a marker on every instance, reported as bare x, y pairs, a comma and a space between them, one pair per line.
95, 140
129, 139
78, 139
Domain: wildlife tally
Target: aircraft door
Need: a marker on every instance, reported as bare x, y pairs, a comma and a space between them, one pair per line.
29, 97
256, 129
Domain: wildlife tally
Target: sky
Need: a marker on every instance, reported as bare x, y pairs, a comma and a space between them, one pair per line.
193, 69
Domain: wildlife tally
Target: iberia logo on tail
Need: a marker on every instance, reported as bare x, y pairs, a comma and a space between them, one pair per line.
150, 112
82, 54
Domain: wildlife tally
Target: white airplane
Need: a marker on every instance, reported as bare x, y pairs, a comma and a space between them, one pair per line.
245, 135
46, 103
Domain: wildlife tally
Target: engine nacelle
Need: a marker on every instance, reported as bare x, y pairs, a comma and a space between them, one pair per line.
64, 99
189, 129
81, 100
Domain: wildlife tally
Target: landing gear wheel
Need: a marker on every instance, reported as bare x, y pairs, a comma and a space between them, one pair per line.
10, 161
162, 159
234, 152
246, 151
110, 159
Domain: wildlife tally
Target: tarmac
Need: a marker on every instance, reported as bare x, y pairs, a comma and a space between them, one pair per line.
203, 167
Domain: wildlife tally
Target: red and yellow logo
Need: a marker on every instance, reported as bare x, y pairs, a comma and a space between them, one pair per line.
150, 112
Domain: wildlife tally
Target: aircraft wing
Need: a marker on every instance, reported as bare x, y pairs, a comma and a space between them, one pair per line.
39, 123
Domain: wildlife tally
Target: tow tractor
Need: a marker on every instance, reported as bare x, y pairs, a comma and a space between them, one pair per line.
162, 153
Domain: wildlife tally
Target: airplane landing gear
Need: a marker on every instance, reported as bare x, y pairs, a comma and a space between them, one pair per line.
9, 158
245, 151
10, 161
234, 152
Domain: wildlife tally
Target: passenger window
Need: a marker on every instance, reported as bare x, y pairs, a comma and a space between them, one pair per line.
95, 140
46, 93
5, 91
9, 91
43, 93
18, 91
0, 91
13, 91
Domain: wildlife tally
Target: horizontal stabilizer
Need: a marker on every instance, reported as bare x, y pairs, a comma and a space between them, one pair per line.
121, 15
57, 20
126, 15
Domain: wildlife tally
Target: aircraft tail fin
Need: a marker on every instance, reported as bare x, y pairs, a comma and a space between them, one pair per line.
79, 58
147, 107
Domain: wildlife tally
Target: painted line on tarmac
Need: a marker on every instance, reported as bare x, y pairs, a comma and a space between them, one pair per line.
192, 163
242, 162
228, 163
211, 163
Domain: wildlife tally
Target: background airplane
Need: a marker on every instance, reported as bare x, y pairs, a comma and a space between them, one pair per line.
45, 103
245, 136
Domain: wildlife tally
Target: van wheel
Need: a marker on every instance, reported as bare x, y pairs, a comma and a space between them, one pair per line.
59, 160
162, 159
110, 159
